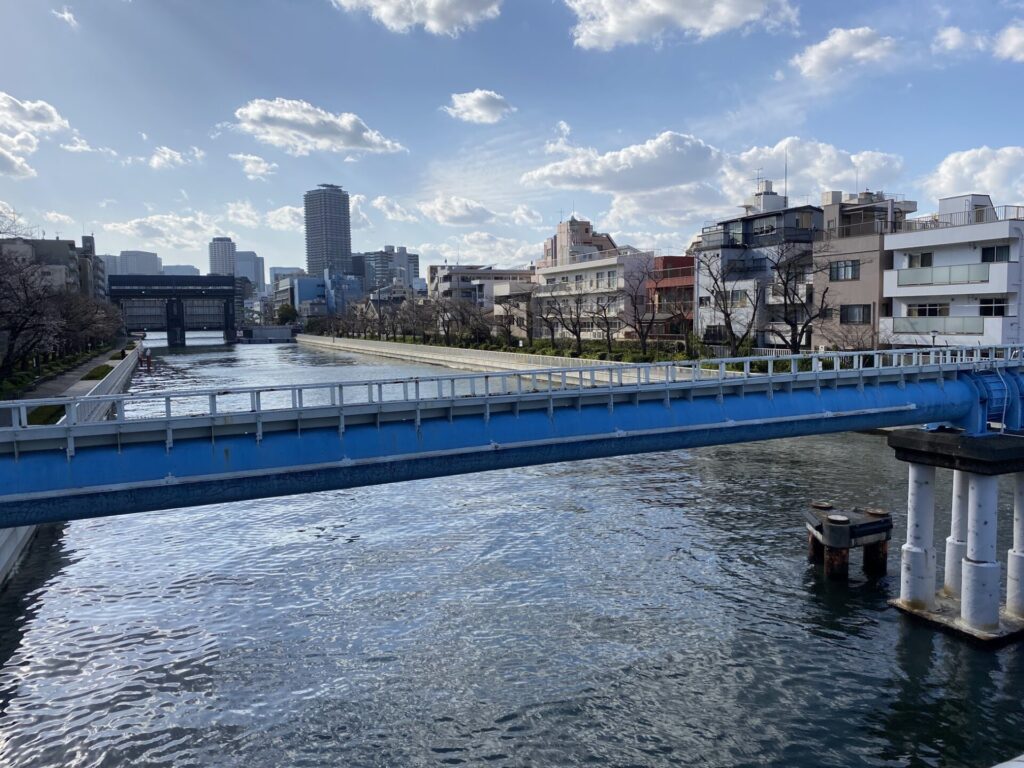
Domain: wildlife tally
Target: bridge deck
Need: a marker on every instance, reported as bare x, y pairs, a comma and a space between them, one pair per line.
203, 446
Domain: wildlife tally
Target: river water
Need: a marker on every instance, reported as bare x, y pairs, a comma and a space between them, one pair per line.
641, 611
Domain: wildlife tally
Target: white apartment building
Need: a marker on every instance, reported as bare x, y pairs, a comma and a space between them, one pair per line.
956, 276
473, 283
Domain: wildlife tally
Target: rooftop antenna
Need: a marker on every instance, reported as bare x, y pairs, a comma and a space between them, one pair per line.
757, 178
785, 187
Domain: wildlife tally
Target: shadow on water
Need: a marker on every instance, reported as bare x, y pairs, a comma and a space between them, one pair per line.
23, 595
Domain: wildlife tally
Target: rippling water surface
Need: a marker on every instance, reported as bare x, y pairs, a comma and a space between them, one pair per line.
639, 611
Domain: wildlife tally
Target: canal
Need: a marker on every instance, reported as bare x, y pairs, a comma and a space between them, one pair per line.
650, 610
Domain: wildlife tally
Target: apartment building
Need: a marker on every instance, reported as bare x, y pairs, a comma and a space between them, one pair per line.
956, 276
738, 271
471, 282
851, 259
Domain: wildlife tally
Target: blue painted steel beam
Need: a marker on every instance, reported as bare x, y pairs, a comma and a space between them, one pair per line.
48, 486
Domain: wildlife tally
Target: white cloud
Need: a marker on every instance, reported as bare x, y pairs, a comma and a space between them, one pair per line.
456, 211
65, 15
58, 218
287, 218
299, 128
604, 24
392, 210
843, 50
79, 145
357, 216
483, 248
814, 167
479, 106
255, 167
954, 39
189, 231
669, 159
999, 172
164, 158
679, 181
21, 125
439, 17
244, 214
1010, 43
525, 216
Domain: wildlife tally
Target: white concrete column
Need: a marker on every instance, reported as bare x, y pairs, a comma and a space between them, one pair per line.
1015, 559
956, 542
917, 571
979, 605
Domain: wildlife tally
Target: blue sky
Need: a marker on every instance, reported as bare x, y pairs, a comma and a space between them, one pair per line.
466, 128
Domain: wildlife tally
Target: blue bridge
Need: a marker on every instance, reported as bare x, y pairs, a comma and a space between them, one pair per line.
200, 447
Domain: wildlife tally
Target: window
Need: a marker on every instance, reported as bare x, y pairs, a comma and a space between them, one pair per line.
579, 280
928, 310
994, 253
612, 278
993, 307
844, 270
855, 314
705, 301
915, 260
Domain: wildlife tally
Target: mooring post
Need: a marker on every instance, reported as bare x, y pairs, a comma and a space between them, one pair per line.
837, 558
876, 559
815, 549
956, 542
1015, 558
917, 572
979, 606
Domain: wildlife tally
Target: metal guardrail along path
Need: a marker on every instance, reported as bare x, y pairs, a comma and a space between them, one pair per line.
196, 447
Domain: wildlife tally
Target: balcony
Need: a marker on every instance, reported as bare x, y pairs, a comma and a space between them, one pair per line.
939, 325
956, 280
964, 218
955, 275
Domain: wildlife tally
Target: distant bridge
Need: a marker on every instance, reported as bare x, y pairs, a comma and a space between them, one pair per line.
175, 304
190, 448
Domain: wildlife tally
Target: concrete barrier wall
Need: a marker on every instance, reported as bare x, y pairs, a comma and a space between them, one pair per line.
451, 357
14, 541
113, 383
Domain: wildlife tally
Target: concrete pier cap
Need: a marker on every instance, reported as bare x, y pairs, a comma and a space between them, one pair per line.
969, 601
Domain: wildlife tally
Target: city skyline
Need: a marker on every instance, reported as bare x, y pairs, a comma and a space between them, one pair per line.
483, 165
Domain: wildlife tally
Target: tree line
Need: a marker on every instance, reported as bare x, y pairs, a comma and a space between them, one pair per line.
39, 321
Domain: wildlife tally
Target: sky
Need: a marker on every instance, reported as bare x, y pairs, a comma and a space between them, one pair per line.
466, 129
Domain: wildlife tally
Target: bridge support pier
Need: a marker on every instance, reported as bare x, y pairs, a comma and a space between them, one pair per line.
969, 601
175, 322
956, 542
979, 606
917, 571
1015, 557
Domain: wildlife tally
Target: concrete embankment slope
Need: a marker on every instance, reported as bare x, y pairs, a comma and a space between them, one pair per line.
451, 357
15, 541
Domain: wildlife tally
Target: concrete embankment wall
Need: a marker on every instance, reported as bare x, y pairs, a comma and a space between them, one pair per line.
451, 357
14, 542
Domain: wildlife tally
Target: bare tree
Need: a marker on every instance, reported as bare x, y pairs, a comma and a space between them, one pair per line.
793, 304
639, 283
569, 307
29, 320
604, 313
733, 296
505, 320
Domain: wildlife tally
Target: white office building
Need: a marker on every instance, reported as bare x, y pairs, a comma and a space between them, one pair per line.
222, 256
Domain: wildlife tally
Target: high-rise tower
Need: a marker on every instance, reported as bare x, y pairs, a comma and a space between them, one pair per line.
222, 256
328, 230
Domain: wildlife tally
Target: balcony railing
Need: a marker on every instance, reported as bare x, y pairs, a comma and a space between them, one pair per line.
959, 274
939, 325
964, 218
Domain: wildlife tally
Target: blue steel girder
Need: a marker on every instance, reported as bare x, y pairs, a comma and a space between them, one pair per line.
75, 471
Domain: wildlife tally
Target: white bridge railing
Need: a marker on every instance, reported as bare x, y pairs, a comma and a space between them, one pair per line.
165, 406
